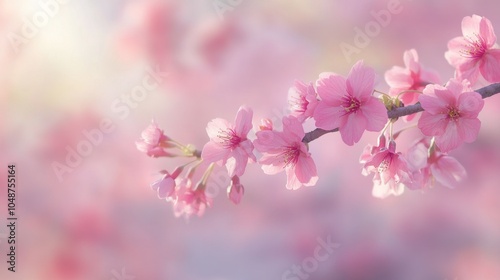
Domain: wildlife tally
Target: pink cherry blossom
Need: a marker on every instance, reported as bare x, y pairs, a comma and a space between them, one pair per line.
474, 53
190, 201
235, 190
411, 78
165, 187
302, 100
153, 142
435, 168
286, 151
229, 144
391, 172
348, 103
450, 114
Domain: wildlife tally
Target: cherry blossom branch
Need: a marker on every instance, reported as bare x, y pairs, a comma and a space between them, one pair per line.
485, 92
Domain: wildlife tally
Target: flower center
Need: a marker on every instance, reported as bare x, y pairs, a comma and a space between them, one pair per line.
298, 104
351, 104
290, 155
453, 113
228, 138
476, 47
384, 165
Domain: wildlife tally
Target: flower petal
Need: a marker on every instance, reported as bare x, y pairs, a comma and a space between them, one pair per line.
470, 104
353, 129
375, 114
486, 32
490, 66
331, 88
292, 182
243, 121
450, 139
398, 77
360, 81
432, 125
432, 104
468, 129
272, 163
448, 171
329, 117
213, 152
305, 170
215, 126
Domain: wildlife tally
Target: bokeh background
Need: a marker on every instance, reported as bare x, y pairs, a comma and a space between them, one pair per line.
102, 219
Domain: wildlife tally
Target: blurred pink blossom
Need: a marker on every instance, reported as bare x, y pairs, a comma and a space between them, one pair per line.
411, 78
431, 167
302, 100
475, 51
190, 201
153, 142
165, 187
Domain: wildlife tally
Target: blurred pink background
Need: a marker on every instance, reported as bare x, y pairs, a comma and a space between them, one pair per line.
103, 218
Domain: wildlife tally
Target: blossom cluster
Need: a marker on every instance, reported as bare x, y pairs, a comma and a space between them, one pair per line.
350, 105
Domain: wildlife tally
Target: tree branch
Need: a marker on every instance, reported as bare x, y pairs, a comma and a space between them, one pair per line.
402, 111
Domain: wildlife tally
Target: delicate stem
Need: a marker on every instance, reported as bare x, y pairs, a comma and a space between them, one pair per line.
401, 111
396, 135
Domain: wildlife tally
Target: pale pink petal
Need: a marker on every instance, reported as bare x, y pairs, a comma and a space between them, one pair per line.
360, 81
268, 140
455, 87
448, 171
417, 156
213, 152
410, 59
375, 113
432, 125
215, 126
380, 190
164, 187
247, 147
468, 129
237, 162
487, 33
398, 77
292, 128
429, 76
353, 129
331, 88
243, 121
490, 66
450, 139
329, 117
292, 182
469, 70
272, 163
470, 104
305, 170
471, 26
454, 54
